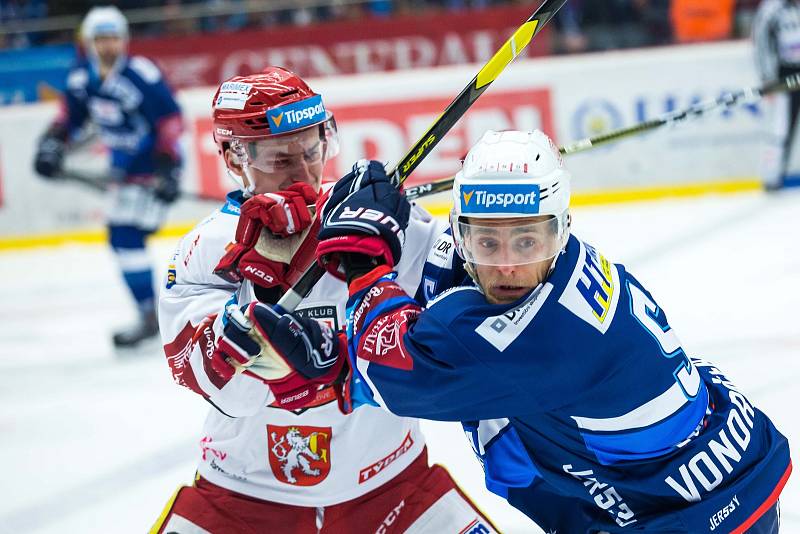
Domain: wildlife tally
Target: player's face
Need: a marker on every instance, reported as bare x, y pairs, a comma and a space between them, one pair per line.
516, 255
278, 162
109, 48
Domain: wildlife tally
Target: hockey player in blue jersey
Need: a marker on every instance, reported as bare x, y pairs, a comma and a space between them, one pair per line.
576, 394
140, 123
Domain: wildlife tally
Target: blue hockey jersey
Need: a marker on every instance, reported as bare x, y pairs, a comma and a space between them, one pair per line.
131, 107
579, 400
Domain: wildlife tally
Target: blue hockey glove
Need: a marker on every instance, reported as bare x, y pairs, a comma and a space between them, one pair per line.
49, 158
293, 355
168, 170
365, 218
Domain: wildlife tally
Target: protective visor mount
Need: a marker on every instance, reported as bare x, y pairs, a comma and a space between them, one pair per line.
509, 242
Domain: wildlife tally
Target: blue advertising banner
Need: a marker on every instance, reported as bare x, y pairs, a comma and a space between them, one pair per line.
31, 74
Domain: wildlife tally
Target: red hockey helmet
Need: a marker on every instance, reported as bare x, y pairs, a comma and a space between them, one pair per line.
274, 105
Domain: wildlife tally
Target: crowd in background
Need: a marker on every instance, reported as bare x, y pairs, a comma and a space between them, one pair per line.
582, 25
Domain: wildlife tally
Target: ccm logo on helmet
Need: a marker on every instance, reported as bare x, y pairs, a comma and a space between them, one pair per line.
500, 199
296, 115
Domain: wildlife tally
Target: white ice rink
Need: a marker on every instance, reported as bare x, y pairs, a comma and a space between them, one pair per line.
92, 441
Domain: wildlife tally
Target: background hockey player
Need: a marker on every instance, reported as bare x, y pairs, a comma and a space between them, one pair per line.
264, 468
776, 35
140, 123
579, 400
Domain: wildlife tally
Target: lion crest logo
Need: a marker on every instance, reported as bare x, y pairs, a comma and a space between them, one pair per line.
299, 455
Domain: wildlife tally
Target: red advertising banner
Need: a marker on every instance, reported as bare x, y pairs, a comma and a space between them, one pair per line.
386, 130
342, 47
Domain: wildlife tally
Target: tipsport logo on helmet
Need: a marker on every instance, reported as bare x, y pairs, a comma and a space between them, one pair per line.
296, 115
500, 198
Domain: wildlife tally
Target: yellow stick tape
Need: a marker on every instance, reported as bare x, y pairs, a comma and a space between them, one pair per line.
511, 49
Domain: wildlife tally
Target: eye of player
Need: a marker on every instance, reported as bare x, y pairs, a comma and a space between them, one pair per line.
525, 244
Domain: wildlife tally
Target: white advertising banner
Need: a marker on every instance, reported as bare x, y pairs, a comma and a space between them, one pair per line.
381, 115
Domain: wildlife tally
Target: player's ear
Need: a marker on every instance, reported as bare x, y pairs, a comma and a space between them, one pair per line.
232, 161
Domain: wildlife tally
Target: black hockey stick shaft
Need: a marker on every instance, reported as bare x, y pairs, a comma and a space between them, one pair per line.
488, 73
96, 183
695, 111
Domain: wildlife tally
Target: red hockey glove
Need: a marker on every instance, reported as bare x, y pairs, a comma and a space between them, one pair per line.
284, 213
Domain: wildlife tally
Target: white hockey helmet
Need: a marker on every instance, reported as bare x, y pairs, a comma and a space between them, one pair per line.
511, 175
103, 21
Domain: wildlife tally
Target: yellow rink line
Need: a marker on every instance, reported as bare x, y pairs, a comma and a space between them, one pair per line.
437, 207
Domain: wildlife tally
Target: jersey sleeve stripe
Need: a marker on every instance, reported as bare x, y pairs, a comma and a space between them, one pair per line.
649, 413
651, 442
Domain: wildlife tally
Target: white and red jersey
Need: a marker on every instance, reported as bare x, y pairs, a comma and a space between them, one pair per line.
311, 457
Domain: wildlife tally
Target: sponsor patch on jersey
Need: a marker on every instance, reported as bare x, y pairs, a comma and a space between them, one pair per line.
233, 95
500, 198
209, 450
299, 455
501, 330
374, 469
296, 115
323, 312
592, 292
441, 255
172, 276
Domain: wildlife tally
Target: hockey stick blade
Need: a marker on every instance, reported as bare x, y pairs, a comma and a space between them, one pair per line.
488, 73
789, 84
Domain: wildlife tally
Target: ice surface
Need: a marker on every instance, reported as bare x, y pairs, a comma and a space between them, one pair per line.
97, 441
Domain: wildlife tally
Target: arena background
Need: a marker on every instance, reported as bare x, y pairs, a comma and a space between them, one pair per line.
96, 441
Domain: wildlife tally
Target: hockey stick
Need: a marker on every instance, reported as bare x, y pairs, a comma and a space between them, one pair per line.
95, 183
101, 183
488, 73
728, 100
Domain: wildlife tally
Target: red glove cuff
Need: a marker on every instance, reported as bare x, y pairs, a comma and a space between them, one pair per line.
295, 391
328, 251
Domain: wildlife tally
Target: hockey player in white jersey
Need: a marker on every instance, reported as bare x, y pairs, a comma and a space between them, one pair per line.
264, 468
776, 36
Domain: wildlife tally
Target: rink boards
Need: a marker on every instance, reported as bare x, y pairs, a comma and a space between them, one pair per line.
381, 115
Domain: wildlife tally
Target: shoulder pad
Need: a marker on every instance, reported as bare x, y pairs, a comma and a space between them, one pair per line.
145, 68
77, 79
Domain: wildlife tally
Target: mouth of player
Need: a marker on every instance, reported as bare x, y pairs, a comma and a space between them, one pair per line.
509, 292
